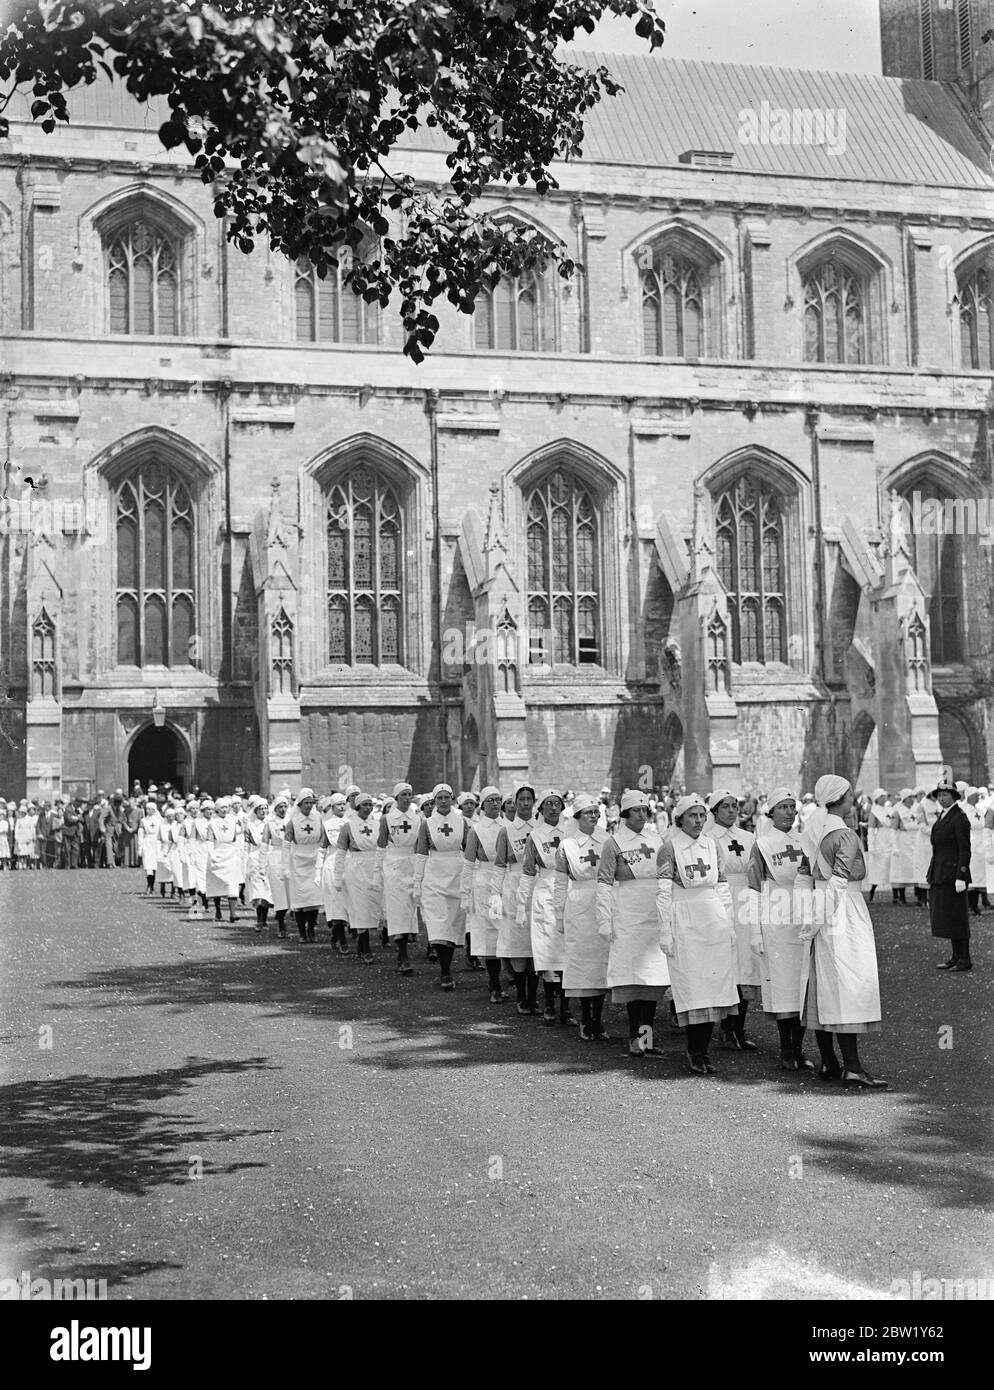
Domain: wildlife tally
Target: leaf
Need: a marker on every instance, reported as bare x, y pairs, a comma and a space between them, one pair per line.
171, 134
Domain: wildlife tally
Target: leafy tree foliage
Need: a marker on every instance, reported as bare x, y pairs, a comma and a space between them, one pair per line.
293, 109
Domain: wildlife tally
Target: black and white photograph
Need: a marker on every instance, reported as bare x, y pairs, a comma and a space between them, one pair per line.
497, 665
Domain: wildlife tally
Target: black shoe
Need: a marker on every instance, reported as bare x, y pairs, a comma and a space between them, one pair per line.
599, 1035
862, 1081
827, 1073
549, 1016
962, 965
804, 1063
948, 965
585, 1033
497, 996
635, 1049
448, 982
567, 1020
523, 1009
709, 1065
788, 1061
697, 1062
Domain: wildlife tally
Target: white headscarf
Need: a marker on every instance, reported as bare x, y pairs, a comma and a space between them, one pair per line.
828, 790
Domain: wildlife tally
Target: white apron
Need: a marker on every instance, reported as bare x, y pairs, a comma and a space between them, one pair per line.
704, 963
978, 847
199, 853
224, 858
361, 873
163, 867
736, 846
149, 831
333, 900
902, 857
302, 861
635, 957
483, 933
547, 946
440, 888
277, 862
257, 888
585, 953
781, 918
880, 847
989, 860
844, 956
925, 818
398, 873
513, 942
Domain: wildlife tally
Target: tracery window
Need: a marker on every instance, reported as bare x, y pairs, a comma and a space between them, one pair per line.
281, 635
156, 567
143, 280
365, 571
976, 320
750, 532
563, 572
938, 559
834, 314
43, 657
515, 315
329, 310
673, 304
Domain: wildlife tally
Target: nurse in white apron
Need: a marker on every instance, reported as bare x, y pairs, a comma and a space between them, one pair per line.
149, 845
697, 933
277, 859
256, 878
468, 804
398, 836
163, 864
574, 890
357, 870
971, 804
926, 813
637, 973
880, 843
904, 824
224, 859
514, 942
333, 900
775, 861
305, 839
988, 847
840, 993
736, 846
241, 815
478, 860
536, 904
200, 847
438, 859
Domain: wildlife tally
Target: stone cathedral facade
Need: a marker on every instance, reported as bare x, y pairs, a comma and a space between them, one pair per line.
657, 522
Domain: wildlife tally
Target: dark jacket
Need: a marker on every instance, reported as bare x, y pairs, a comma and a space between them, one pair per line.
950, 849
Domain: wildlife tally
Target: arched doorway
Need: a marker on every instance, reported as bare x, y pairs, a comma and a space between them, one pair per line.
157, 755
957, 746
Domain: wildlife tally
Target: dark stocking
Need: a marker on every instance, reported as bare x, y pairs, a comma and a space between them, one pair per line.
850, 1051
217, 909
445, 952
532, 980
402, 951
300, 917
699, 1037
564, 1010
150, 881
281, 920
597, 1011
634, 1007
797, 1027
521, 985
826, 1048
549, 990
493, 972
586, 1013
785, 1027
363, 946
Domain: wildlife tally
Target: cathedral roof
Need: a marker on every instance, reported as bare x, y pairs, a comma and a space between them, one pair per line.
680, 112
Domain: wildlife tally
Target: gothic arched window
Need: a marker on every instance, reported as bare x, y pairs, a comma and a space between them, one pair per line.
143, 280
678, 281
563, 572
365, 571
156, 566
976, 319
938, 559
750, 535
328, 310
515, 315
43, 657
281, 636
834, 313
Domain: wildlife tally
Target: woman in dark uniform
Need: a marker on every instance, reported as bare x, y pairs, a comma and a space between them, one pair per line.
949, 875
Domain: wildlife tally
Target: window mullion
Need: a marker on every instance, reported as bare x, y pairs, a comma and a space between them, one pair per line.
375, 559
168, 547
572, 579
140, 490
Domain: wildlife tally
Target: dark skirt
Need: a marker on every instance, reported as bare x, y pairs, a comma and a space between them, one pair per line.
949, 912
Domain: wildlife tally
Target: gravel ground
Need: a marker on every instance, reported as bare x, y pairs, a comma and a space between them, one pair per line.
190, 1111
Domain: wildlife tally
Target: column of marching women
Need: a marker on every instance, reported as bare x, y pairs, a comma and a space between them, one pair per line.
683, 907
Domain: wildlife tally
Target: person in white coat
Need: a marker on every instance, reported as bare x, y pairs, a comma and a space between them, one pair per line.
200, 847
514, 943
840, 992
697, 933
438, 861
163, 863
736, 845
305, 841
585, 952
926, 812
637, 972
224, 858
775, 861
357, 870
974, 810
478, 860
398, 837
334, 900
879, 843
536, 905
988, 847
257, 887
277, 859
